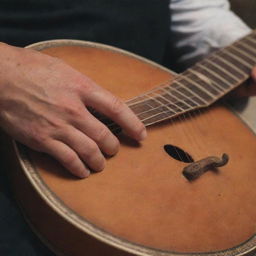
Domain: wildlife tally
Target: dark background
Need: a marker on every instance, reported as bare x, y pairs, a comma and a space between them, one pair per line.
246, 9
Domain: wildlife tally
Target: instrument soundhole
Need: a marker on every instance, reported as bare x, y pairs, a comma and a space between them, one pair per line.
178, 153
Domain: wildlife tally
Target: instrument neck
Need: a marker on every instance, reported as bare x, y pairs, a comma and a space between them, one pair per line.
199, 86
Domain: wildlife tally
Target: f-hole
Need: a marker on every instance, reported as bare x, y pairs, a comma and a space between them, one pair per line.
178, 154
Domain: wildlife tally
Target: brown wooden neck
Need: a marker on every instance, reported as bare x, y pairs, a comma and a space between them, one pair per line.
198, 87
201, 85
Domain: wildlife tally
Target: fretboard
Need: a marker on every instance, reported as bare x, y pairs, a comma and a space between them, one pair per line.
199, 86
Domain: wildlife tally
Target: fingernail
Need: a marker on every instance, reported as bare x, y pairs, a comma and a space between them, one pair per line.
84, 174
101, 166
143, 135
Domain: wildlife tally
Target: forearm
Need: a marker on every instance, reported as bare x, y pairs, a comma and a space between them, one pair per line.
199, 27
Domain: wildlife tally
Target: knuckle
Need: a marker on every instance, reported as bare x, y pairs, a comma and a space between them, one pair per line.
91, 150
83, 85
74, 111
54, 62
102, 134
56, 125
37, 138
117, 106
69, 159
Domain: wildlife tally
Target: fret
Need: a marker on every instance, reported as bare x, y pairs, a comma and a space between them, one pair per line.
135, 102
156, 111
238, 60
192, 103
185, 98
246, 49
156, 118
176, 94
181, 89
182, 105
220, 72
229, 62
242, 57
155, 100
251, 40
160, 98
194, 96
143, 102
175, 106
243, 51
181, 101
160, 103
249, 44
218, 81
175, 97
245, 44
195, 88
174, 90
191, 99
158, 106
209, 83
200, 85
228, 69
139, 107
168, 97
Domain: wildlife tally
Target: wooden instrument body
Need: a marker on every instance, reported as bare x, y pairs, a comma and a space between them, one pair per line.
141, 203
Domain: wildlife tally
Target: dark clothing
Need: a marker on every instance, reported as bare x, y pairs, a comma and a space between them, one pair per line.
16, 238
136, 25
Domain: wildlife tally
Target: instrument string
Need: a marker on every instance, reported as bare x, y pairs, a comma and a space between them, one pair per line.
181, 117
166, 87
187, 157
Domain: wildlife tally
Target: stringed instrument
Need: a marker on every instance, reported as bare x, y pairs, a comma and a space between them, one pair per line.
175, 193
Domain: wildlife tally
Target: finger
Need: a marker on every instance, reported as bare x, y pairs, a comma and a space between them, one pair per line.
98, 132
67, 158
247, 89
86, 148
253, 74
104, 102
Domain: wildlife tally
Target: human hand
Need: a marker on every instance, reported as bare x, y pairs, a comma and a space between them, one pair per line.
43, 105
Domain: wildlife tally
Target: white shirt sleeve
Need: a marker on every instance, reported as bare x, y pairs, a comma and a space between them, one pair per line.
199, 27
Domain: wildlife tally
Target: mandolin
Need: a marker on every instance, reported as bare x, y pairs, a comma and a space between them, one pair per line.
188, 189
